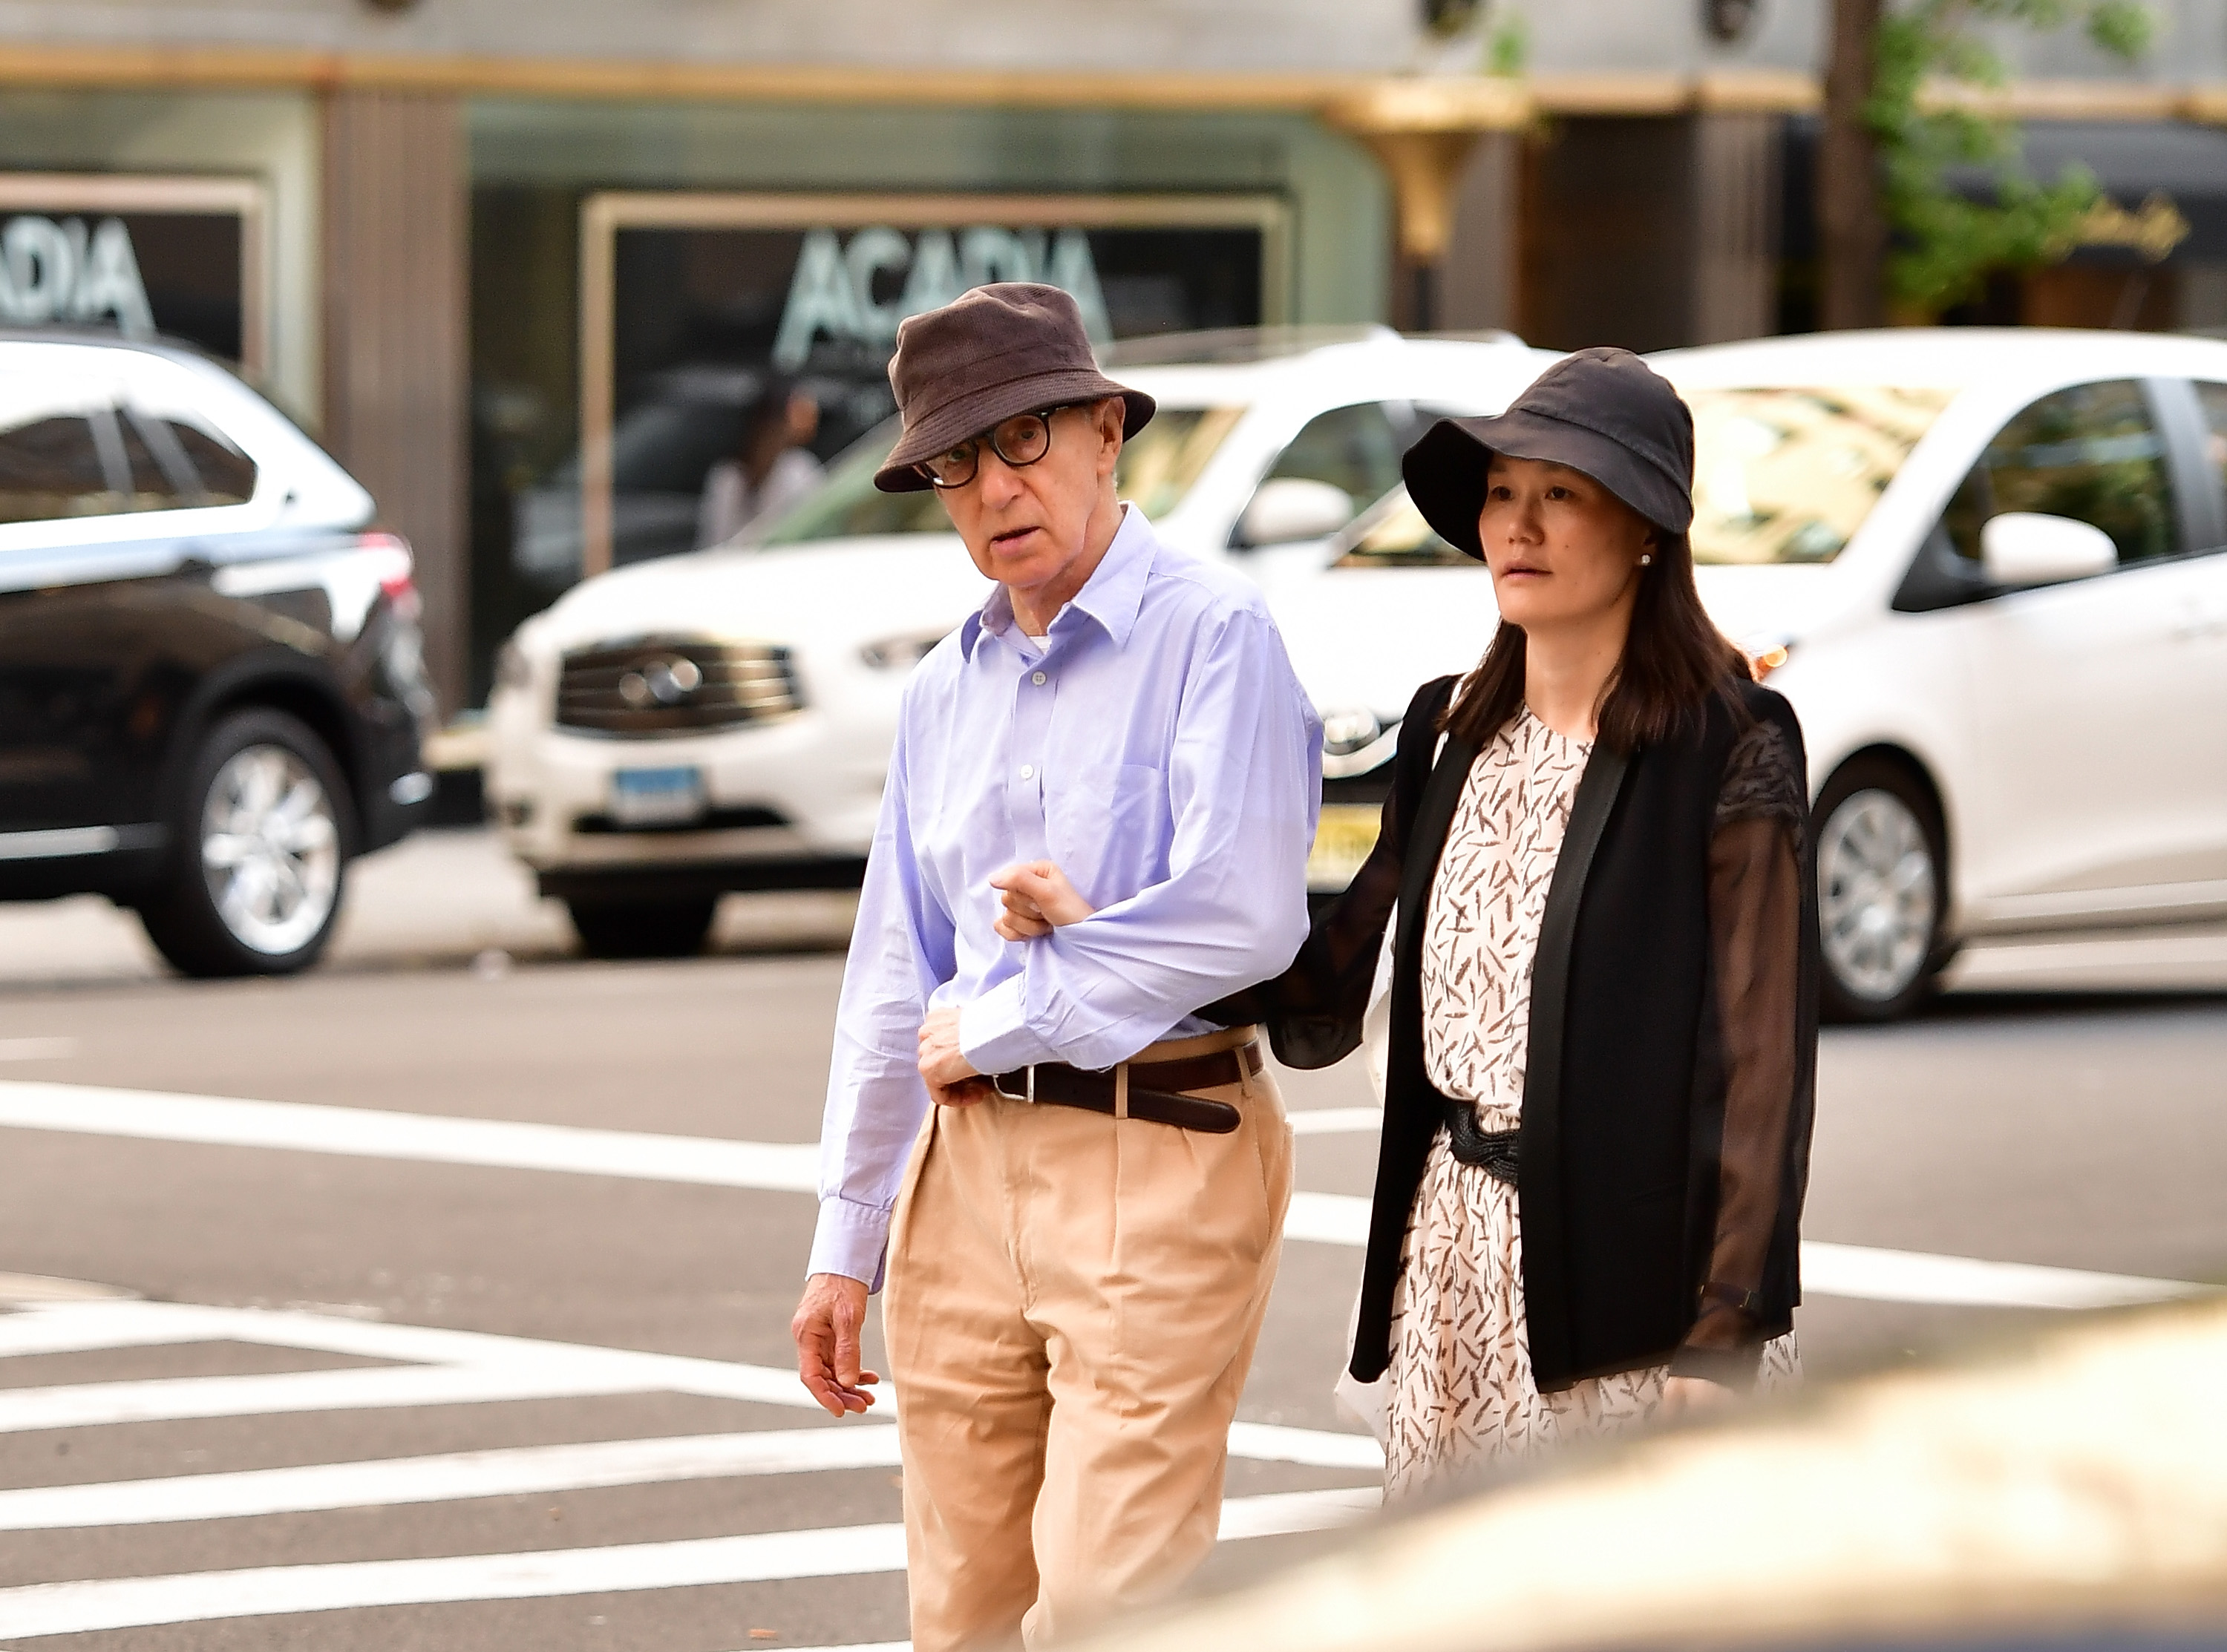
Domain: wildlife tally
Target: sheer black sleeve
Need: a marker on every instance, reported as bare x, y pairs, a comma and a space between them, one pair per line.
1755, 919
1313, 1011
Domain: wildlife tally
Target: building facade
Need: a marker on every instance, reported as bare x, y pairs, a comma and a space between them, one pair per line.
523, 266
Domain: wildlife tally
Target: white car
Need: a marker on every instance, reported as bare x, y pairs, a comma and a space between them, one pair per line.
1989, 570
723, 720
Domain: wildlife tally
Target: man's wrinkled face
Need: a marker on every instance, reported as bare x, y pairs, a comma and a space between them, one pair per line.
1026, 525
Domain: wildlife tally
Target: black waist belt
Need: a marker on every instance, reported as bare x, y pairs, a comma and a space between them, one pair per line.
1156, 1088
1493, 1151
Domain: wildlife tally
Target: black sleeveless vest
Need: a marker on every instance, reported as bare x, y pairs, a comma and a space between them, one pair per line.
1624, 1081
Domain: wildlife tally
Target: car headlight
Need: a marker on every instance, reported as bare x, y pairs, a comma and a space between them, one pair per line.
1766, 654
902, 652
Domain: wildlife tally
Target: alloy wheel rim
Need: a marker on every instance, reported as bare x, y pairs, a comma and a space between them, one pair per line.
269, 850
1876, 895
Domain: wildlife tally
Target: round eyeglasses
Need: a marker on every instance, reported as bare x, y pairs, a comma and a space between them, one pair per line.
1019, 441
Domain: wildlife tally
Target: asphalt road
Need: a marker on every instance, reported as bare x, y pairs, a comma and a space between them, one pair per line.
264, 1300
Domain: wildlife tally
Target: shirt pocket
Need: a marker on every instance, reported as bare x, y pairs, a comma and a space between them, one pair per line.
1108, 826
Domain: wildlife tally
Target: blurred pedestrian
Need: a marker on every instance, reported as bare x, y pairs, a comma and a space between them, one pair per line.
1591, 908
1081, 1244
772, 468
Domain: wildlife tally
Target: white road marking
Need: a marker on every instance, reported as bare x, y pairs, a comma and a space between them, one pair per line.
1860, 1271
1275, 1443
263, 1592
1916, 1276
1323, 1218
1336, 1121
442, 1368
1328, 1218
102, 1405
364, 1133
515, 1471
37, 1049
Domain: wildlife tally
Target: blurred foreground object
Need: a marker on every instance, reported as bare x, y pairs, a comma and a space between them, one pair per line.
2072, 1494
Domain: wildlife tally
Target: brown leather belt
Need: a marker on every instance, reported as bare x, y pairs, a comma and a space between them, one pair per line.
1156, 1088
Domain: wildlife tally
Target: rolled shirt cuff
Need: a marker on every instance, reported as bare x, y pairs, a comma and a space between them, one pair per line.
852, 1239
994, 1033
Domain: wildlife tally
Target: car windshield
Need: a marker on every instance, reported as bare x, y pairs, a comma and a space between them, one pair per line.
1788, 474
1400, 538
1157, 468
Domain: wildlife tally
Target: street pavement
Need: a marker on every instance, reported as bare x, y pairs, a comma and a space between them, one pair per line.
439, 1298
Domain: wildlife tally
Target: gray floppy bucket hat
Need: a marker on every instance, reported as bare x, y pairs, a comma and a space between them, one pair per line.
1010, 348
1603, 411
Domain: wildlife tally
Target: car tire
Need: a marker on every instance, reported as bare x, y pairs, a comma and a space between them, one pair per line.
1882, 860
643, 928
259, 839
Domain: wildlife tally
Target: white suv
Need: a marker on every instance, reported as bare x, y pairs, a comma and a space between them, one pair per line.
723, 720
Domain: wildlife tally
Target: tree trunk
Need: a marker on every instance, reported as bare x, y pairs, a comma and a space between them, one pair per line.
1852, 229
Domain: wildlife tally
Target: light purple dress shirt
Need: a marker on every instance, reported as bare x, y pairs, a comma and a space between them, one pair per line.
1160, 750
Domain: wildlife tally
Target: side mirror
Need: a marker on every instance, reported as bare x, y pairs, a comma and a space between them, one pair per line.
1289, 508
2024, 548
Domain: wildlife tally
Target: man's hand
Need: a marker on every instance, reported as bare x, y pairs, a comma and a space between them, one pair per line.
1690, 1396
826, 1332
1038, 899
953, 1081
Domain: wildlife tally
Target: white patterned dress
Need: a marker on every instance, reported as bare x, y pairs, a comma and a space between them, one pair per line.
1459, 1388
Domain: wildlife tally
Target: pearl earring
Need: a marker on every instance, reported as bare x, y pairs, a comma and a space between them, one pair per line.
1646, 558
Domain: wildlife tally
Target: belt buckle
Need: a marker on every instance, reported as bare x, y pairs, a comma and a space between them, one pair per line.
1028, 1096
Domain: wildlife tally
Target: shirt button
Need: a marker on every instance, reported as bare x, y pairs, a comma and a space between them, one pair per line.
1037, 679
1028, 771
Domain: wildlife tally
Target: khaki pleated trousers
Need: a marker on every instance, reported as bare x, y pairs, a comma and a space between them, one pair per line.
1071, 1308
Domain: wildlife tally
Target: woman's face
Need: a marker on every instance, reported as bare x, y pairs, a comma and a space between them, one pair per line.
1563, 550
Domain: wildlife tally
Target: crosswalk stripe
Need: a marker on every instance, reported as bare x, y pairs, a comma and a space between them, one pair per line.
1325, 1218
443, 1368
365, 1132
1317, 1447
1864, 1271
102, 1405
514, 1471
86, 1327
1336, 1121
262, 1592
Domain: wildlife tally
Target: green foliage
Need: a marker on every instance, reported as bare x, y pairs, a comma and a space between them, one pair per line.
1947, 243
1507, 48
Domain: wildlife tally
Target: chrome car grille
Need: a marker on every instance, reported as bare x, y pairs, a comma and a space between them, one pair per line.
661, 687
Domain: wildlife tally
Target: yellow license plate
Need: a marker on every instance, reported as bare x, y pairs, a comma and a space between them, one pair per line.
1343, 838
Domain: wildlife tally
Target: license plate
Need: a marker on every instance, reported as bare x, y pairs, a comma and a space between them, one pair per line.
1344, 837
657, 796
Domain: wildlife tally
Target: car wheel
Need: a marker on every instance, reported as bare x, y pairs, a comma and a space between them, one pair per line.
643, 928
1881, 858
260, 852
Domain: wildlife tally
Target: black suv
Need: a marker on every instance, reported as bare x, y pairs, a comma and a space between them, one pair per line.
212, 688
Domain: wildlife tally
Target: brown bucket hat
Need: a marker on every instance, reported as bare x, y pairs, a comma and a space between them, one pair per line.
1010, 348
1603, 410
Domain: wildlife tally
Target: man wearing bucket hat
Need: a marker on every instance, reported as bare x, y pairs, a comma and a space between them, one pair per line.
1074, 1183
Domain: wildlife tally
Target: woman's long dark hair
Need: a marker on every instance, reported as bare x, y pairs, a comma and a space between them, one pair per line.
1675, 659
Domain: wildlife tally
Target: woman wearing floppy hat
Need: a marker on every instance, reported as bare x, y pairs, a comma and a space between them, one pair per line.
1593, 909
